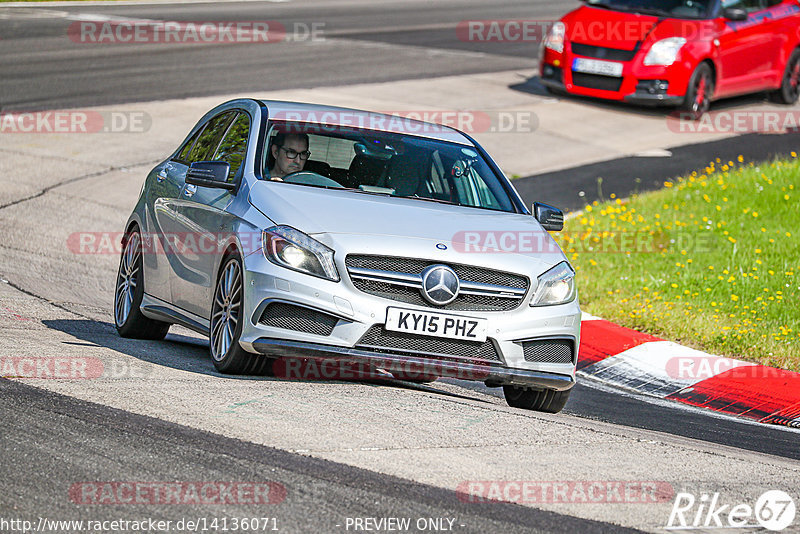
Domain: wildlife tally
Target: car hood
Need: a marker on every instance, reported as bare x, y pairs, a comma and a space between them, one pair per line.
328, 211
622, 30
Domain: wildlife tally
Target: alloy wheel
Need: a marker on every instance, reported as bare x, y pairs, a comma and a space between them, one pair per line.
225, 310
127, 279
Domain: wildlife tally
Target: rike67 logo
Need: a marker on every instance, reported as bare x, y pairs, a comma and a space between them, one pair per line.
774, 510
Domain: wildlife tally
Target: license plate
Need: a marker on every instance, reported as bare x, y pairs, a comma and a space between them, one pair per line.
595, 66
436, 324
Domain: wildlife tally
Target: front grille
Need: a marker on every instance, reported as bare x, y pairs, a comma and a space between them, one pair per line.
379, 339
596, 81
601, 52
516, 285
298, 318
548, 350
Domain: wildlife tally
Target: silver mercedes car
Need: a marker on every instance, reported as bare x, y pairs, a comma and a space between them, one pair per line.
295, 232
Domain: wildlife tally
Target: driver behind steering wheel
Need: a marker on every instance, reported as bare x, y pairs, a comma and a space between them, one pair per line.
289, 153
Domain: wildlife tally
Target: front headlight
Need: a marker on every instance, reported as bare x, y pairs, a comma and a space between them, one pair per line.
290, 248
555, 37
664, 52
556, 286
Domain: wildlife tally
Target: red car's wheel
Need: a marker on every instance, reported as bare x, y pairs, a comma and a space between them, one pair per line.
790, 86
699, 93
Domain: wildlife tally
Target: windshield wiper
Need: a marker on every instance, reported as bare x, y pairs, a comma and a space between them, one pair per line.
437, 200
357, 190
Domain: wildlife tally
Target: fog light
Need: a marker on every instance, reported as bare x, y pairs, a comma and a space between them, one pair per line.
653, 87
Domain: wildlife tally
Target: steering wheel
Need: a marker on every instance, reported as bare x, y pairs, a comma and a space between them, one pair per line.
310, 178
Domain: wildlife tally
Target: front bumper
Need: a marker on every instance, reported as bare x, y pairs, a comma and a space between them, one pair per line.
491, 375
637, 85
352, 316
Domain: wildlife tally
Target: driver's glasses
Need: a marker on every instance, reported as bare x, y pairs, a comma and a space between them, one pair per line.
292, 154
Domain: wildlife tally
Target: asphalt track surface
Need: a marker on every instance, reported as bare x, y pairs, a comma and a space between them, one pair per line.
119, 444
364, 42
51, 440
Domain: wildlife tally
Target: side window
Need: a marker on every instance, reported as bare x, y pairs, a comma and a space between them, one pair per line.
234, 146
183, 155
207, 143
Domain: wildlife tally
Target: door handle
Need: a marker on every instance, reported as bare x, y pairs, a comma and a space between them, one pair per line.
162, 175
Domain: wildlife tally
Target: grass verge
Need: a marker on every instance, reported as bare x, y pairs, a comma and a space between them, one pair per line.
710, 261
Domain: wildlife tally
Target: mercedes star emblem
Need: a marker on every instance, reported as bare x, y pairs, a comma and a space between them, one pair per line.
440, 284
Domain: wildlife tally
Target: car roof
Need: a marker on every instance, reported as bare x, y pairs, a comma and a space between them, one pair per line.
401, 122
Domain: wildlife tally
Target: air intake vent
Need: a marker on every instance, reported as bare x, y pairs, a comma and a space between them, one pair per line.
600, 52
298, 318
596, 81
548, 350
379, 339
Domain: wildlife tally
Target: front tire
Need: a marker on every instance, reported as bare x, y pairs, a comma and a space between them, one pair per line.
548, 400
128, 318
227, 318
790, 86
699, 92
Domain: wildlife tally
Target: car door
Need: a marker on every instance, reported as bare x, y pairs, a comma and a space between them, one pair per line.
180, 233
164, 188
781, 27
747, 49
205, 220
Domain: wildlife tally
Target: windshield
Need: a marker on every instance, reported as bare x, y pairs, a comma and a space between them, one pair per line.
382, 163
689, 9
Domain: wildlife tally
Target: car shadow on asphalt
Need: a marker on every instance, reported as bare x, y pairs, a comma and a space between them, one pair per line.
186, 351
533, 86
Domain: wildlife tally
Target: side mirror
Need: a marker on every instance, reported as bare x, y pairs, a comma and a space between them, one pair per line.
210, 174
734, 13
551, 219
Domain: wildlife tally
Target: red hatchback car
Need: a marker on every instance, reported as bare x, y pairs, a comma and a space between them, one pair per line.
682, 53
